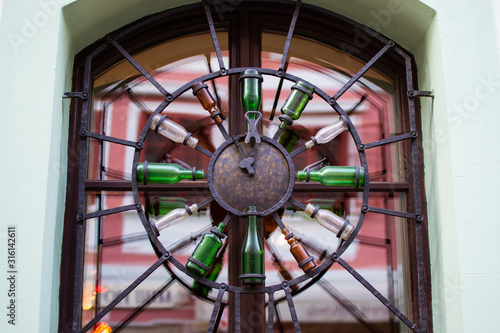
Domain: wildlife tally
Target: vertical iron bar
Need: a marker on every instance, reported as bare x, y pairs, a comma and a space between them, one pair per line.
237, 312
80, 235
213, 34
291, 307
278, 319
289, 37
214, 86
270, 316
278, 93
417, 198
217, 308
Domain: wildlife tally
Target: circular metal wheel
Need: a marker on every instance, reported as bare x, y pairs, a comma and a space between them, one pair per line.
269, 187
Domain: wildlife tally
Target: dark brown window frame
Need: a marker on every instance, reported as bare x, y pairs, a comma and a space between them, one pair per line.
324, 26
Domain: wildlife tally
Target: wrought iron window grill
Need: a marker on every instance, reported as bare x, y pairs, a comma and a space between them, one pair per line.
166, 256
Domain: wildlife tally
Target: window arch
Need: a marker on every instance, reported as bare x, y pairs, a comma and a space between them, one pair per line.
148, 68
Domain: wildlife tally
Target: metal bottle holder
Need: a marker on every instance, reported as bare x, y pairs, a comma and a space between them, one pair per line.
279, 158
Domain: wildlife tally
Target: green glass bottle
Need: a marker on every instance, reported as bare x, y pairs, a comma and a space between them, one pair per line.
251, 90
165, 173
335, 176
212, 275
289, 138
203, 256
296, 102
252, 254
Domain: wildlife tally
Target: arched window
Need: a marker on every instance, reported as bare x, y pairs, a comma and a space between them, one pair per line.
327, 166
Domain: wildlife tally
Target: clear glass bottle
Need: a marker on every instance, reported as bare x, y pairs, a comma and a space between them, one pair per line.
174, 217
173, 131
330, 221
327, 133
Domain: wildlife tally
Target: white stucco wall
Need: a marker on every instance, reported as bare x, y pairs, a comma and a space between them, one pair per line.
457, 48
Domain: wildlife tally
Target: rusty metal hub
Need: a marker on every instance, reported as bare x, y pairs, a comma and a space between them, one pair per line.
267, 185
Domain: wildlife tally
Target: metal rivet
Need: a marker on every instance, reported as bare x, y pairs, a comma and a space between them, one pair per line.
361, 146
331, 100
85, 94
79, 217
414, 134
364, 208
83, 132
223, 71
139, 145
411, 93
167, 255
109, 39
223, 286
280, 72
138, 206
419, 217
390, 42
335, 256
285, 284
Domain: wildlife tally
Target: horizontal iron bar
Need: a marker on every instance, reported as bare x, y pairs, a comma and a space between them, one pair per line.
391, 212
420, 93
124, 294
76, 94
126, 185
389, 140
108, 212
377, 294
109, 139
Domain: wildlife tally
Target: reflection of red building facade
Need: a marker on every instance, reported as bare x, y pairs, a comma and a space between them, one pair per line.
118, 251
